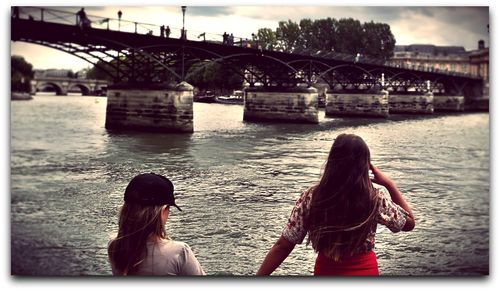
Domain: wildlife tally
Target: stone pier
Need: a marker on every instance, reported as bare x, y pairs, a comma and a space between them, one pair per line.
411, 103
294, 104
448, 103
374, 104
158, 108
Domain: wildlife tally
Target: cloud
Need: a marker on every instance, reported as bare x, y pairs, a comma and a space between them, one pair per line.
209, 10
444, 26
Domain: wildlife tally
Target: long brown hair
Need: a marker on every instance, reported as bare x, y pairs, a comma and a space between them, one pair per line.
136, 225
343, 203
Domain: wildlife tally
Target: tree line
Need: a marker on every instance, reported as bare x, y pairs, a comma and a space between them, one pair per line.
346, 35
21, 74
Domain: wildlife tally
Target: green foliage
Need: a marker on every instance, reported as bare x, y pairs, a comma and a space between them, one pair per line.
214, 76
378, 40
347, 35
268, 37
96, 73
21, 74
288, 35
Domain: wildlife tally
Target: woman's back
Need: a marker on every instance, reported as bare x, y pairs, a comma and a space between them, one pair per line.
387, 213
168, 257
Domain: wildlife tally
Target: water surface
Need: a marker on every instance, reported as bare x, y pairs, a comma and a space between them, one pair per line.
236, 183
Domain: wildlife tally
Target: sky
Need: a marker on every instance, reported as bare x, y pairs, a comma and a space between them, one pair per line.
439, 25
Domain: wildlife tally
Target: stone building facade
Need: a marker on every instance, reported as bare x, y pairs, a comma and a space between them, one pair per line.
443, 59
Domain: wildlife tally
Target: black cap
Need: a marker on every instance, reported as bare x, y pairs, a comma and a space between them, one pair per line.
150, 189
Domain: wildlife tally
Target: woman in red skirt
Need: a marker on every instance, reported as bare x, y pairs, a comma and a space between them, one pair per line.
341, 213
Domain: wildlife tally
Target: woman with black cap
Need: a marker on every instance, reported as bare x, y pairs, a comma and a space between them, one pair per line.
142, 246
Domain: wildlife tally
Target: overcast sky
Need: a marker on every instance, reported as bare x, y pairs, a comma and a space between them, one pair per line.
450, 26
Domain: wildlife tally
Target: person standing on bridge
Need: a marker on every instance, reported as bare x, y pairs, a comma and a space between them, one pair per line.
167, 31
340, 214
83, 21
142, 246
162, 31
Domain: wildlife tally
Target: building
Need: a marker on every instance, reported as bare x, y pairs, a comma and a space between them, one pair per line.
59, 73
450, 59
443, 59
479, 61
428, 57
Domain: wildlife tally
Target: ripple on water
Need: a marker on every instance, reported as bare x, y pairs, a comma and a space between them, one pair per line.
236, 183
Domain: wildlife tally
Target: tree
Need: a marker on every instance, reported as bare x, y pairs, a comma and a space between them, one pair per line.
97, 73
324, 31
287, 35
21, 74
267, 37
378, 40
208, 75
347, 35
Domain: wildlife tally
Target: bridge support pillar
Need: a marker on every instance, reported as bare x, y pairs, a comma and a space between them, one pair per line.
448, 103
408, 103
349, 104
152, 108
295, 104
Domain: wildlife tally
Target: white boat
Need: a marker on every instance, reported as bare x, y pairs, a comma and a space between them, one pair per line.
235, 98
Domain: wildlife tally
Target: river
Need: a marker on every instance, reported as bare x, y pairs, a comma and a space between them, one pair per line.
236, 183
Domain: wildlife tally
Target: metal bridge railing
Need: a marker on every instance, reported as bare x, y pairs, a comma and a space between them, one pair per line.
68, 16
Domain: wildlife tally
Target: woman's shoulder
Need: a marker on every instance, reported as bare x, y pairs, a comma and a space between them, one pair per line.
309, 191
306, 195
173, 244
380, 191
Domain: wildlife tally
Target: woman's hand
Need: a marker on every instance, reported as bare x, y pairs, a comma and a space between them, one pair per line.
379, 177
396, 196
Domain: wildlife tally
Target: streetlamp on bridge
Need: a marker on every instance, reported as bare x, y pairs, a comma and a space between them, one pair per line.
183, 33
119, 19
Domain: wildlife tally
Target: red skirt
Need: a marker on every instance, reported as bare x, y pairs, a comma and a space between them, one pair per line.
358, 265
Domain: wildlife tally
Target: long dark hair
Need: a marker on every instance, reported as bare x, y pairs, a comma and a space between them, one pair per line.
343, 203
136, 224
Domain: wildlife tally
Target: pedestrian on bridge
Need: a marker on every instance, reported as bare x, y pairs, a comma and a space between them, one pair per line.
167, 31
142, 246
224, 38
341, 212
83, 21
162, 31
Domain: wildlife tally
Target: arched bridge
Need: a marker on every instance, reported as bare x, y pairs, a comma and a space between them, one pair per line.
143, 57
63, 85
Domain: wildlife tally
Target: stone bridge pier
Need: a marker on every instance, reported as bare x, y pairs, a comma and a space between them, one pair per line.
412, 103
369, 104
154, 108
282, 104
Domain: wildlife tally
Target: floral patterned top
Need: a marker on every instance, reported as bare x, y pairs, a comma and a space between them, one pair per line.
390, 214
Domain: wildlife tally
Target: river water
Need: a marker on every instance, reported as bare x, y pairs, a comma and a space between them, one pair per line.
236, 183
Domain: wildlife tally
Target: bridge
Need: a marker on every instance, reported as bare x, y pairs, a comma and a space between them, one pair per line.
62, 85
148, 69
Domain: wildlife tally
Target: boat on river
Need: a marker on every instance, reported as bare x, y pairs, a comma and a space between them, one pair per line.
205, 97
20, 96
235, 98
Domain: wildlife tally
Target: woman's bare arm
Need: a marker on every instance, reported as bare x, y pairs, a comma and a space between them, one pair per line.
276, 255
396, 196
